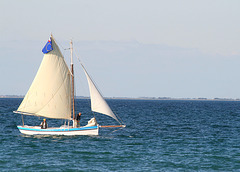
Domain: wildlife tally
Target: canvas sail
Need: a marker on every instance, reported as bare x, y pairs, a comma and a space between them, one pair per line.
50, 93
98, 104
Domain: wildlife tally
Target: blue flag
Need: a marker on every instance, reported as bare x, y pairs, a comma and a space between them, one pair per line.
48, 47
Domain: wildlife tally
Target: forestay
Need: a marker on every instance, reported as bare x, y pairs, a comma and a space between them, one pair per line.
50, 93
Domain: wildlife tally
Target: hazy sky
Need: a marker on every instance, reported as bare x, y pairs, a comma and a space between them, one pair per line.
131, 48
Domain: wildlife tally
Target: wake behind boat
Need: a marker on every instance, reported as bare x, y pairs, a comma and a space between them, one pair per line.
51, 95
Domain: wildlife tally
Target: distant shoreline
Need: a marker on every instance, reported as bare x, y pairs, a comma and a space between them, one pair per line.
141, 98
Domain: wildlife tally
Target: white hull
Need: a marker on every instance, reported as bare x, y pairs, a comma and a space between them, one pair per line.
64, 130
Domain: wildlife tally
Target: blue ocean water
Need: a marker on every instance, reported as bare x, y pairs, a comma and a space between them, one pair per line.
161, 135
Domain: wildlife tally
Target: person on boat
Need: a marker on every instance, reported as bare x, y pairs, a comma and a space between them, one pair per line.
78, 119
44, 124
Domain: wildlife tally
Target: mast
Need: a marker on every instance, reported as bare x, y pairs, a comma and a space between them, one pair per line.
73, 107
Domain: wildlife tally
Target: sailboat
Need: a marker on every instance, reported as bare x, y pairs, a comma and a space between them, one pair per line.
51, 95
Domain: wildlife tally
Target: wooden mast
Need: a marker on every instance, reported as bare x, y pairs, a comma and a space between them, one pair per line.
73, 107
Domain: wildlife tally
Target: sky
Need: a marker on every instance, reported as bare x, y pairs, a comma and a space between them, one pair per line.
131, 48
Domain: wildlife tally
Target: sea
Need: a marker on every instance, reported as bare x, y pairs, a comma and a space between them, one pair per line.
160, 135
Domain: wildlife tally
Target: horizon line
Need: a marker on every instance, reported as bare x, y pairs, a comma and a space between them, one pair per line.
140, 98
